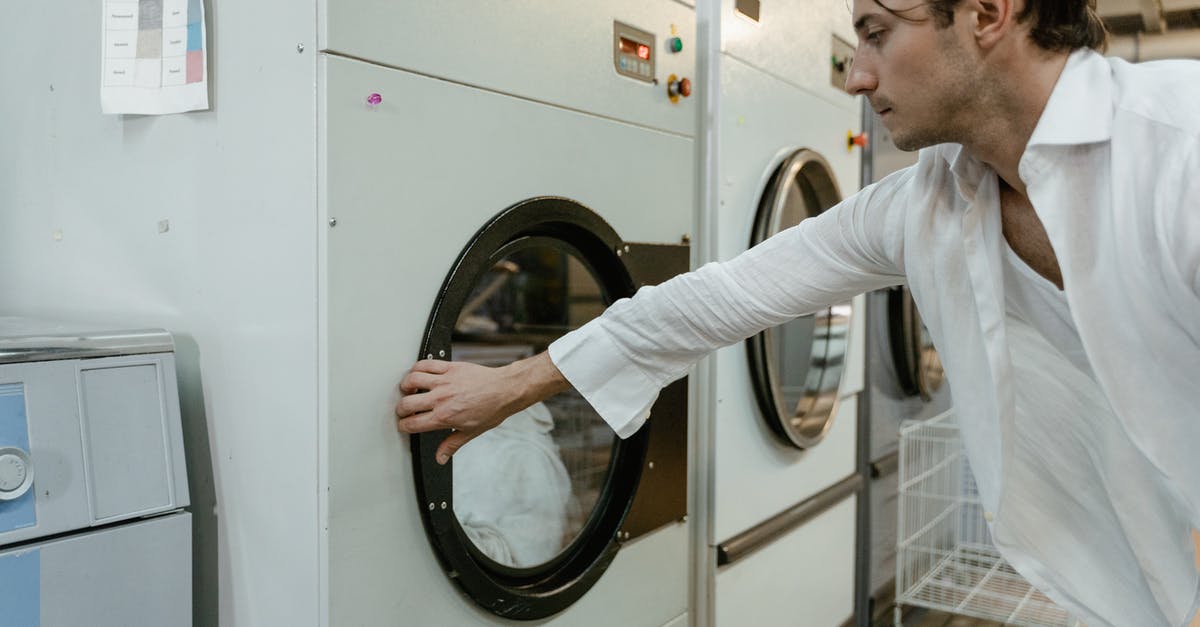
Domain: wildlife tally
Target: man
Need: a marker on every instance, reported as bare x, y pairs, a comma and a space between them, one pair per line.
1050, 234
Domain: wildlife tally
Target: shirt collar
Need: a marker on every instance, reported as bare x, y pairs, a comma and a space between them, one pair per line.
967, 170
1080, 107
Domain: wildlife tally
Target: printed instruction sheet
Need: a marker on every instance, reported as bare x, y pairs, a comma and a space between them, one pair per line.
154, 59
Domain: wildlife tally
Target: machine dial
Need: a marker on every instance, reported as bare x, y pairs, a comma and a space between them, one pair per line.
16, 473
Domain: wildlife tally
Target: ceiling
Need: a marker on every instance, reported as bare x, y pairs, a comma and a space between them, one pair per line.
1125, 17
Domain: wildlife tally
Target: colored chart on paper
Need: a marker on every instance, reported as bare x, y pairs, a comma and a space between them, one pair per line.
154, 56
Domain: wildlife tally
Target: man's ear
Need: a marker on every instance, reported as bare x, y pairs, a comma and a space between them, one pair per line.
991, 20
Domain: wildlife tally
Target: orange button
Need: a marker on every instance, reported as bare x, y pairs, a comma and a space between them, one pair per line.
853, 140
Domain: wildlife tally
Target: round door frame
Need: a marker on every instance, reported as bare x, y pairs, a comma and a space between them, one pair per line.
905, 336
763, 373
526, 593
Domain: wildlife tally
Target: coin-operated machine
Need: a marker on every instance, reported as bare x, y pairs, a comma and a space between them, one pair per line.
92, 479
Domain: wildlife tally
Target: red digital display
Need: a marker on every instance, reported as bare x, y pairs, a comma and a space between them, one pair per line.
641, 50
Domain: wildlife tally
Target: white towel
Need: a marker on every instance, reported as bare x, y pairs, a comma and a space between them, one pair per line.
512, 491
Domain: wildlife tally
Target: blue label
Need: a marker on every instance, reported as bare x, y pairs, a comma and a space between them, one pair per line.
194, 40
14, 431
21, 589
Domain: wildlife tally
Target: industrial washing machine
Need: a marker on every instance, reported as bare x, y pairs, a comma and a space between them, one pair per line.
783, 421
904, 381
496, 176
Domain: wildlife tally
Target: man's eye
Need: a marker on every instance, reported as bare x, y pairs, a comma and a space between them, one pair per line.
875, 36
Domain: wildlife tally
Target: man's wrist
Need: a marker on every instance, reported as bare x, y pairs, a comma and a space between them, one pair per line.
537, 378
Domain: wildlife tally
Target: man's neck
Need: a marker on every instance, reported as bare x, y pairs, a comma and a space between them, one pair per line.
1000, 138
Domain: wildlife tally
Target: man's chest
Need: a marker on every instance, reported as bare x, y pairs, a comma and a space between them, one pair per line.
1027, 236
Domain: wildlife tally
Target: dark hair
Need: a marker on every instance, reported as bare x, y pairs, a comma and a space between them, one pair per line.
1058, 25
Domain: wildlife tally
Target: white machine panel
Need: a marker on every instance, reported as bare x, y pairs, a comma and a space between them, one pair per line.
104, 442
792, 40
803, 578
763, 120
555, 52
402, 217
125, 439
757, 476
134, 574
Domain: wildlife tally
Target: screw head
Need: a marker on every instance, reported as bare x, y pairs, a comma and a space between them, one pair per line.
299, 48
332, 222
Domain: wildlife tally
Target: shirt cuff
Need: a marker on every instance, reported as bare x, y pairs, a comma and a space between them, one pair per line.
614, 386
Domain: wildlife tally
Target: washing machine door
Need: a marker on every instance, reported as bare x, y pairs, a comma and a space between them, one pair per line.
797, 367
526, 517
918, 367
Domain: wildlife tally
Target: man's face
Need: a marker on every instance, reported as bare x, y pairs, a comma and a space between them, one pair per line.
920, 78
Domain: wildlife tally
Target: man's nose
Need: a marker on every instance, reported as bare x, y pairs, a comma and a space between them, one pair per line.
859, 80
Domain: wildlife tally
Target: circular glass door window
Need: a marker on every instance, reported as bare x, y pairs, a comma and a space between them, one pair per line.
524, 491
918, 367
525, 517
797, 367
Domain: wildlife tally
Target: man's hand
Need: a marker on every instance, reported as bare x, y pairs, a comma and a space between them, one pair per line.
470, 398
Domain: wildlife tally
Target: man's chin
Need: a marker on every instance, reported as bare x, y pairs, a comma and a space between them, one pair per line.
908, 142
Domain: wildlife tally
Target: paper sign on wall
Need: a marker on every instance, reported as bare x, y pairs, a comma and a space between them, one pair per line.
154, 57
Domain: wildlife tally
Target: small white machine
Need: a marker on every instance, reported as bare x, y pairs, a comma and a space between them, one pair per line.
92, 479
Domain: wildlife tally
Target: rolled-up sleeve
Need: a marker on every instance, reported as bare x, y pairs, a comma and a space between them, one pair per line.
621, 360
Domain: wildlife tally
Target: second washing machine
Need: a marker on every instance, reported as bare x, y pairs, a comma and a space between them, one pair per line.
782, 428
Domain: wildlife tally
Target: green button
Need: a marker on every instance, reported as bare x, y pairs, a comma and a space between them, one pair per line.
676, 44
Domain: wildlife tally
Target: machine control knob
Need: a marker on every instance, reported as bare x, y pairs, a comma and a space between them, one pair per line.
678, 88
675, 44
16, 473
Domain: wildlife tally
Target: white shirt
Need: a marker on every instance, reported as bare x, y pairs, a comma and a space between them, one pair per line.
1036, 301
1113, 172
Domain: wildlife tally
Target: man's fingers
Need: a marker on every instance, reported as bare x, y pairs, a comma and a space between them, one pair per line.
414, 404
417, 380
432, 366
451, 444
420, 423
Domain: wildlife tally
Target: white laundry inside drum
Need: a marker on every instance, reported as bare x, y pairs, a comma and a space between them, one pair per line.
524, 491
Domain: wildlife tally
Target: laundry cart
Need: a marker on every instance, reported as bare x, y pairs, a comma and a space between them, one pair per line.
945, 558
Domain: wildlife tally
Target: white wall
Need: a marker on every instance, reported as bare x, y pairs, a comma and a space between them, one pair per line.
234, 277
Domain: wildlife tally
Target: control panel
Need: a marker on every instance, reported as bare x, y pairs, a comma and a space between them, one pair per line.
633, 52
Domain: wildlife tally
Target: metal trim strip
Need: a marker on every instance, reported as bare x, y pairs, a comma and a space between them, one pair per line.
764, 533
58, 346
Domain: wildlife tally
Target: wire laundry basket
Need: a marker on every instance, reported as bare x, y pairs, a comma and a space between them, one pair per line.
945, 558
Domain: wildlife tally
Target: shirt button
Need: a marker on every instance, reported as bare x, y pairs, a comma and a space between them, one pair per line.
988, 516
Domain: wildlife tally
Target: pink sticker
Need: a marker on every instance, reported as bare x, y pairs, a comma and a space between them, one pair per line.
195, 66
